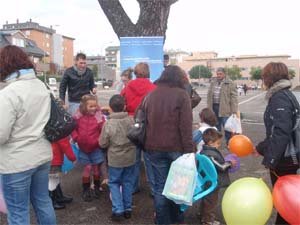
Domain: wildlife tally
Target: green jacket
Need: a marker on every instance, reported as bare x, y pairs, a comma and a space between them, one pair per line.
228, 97
121, 152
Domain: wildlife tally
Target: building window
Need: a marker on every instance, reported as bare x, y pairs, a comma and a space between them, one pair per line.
18, 42
27, 32
47, 45
47, 36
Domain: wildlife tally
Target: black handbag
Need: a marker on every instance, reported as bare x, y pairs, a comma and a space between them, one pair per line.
137, 132
195, 98
293, 148
60, 124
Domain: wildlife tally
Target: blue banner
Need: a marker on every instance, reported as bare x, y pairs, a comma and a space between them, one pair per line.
134, 50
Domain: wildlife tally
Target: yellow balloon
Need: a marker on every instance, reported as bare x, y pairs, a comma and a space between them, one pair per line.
247, 201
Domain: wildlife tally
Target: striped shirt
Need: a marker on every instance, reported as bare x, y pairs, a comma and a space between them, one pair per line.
216, 93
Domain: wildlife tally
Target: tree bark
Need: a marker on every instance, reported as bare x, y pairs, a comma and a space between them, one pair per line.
152, 20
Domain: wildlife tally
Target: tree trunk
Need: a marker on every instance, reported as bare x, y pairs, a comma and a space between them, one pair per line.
152, 20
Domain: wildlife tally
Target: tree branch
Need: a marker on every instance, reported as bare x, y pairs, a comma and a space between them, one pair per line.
119, 20
152, 20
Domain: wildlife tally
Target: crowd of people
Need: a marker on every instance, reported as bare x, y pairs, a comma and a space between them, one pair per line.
30, 165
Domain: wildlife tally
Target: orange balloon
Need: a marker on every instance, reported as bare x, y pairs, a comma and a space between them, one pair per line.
286, 198
240, 145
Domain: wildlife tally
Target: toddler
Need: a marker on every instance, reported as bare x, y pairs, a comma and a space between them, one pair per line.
212, 142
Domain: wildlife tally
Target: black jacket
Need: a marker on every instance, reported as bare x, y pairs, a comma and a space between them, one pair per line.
220, 164
278, 119
77, 85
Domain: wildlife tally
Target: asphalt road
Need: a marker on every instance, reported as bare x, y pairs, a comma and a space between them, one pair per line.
99, 210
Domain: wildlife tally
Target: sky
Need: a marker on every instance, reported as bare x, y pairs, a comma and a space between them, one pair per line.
228, 27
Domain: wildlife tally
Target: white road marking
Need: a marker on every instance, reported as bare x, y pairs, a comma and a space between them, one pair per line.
250, 99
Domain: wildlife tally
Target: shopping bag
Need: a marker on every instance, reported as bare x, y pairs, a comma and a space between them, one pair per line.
233, 124
68, 165
181, 180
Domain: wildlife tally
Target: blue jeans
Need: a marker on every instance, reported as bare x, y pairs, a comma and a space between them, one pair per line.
137, 170
221, 122
24, 187
167, 212
149, 172
120, 177
73, 107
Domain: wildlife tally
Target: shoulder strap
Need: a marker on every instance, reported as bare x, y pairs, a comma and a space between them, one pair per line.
294, 101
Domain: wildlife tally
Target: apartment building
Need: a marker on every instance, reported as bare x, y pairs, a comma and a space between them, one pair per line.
58, 48
244, 62
101, 70
112, 56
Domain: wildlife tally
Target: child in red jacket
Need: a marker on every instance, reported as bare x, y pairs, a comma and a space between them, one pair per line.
59, 148
89, 120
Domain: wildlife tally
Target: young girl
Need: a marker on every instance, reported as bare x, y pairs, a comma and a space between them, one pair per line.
90, 121
208, 119
59, 148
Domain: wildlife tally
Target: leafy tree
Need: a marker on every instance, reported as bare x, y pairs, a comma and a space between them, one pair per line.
233, 72
152, 20
255, 73
292, 73
200, 71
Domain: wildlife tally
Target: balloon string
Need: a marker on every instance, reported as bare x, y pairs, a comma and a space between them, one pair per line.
272, 171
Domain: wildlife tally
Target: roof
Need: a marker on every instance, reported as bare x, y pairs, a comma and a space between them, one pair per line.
30, 46
66, 37
3, 40
112, 48
27, 26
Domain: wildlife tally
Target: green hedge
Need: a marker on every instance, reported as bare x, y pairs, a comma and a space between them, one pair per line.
58, 77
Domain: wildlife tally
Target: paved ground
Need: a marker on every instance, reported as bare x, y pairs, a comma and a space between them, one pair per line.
98, 211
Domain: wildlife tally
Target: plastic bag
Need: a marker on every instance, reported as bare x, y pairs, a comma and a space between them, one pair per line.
181, 180
2, 203
233, 124
69, 165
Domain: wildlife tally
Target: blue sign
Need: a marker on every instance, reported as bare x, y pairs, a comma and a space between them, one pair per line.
134, 50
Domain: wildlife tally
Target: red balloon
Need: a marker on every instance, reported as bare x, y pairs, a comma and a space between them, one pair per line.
286, 198
240, 145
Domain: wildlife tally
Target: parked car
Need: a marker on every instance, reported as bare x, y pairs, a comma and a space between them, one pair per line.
197, 84
107, 84
99, 82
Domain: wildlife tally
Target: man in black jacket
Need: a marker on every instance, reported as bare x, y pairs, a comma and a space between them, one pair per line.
79, 80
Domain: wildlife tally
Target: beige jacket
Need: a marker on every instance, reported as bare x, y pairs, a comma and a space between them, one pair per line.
121, 152
228, 97
24, 112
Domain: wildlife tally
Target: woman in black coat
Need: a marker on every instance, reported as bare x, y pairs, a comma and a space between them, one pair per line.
279, 121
